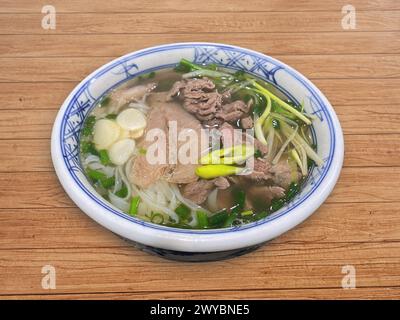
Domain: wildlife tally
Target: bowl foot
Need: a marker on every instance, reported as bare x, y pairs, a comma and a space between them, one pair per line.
194, 256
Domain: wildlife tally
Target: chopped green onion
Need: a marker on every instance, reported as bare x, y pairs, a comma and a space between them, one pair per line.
218, 219
257, 154
88, 127
275, 123
142, 151
183, 212
104, 102
186, 66
260, 215
293, 189
96, 175
104, 158
146, 76
230, 219
123, 192
157, 218
108, 182
240, 197
88, 147
100, 177
111, 116
133, 208
247, 213
202, 219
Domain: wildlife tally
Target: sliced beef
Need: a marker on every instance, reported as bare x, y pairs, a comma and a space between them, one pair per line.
221, 183
143, 173
199, 190
233, 111
175, 90
258, 145
123, 96
229, 136
260, 173
282, 174
208, 105
185, 123
247, 123
163, 115
259, 196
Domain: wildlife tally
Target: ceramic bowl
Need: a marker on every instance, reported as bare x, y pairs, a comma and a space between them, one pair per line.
183, 244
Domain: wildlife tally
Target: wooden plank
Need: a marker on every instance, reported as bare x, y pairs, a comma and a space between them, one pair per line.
35, 124
312, 66
380, 94
112, 6
372, 150
296, 294
368, 95
136, 23
361, 151
71, 228
356, 185
126, 269
269, 43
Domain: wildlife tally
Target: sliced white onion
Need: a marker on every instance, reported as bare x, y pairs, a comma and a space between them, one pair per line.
124, 134
136, 133
121, 151
105, 133
131, 119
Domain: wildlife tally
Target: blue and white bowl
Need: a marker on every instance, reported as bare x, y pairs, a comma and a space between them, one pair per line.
195, 245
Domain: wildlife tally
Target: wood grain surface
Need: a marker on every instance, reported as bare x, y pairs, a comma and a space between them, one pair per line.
359, 224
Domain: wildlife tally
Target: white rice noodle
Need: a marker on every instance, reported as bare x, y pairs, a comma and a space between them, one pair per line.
93, 162
151, 203
118, 182
118, 202
162, 197
90, 158
193, 222
125, 180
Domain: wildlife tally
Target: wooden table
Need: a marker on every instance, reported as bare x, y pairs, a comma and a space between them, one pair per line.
359, 224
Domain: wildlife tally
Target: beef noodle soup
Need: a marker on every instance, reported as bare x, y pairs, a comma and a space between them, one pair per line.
197, 146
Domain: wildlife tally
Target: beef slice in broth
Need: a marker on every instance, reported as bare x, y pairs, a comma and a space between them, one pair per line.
162, 112
143, 173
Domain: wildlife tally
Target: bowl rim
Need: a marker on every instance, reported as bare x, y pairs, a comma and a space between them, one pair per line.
199, 240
